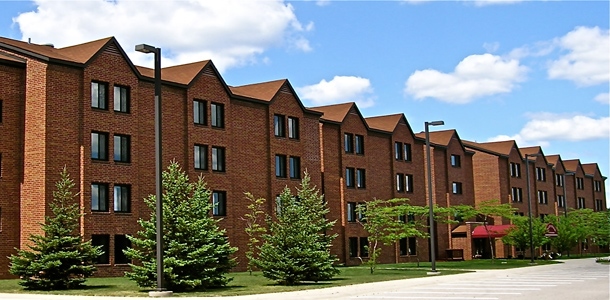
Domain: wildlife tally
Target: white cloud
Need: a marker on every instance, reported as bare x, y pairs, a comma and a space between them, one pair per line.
603, 98
474, 77
491, 47
231, 32
339, 89
587, 61
545, 127
493, 2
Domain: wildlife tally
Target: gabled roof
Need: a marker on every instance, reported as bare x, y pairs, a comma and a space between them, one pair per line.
11, 58
82, 53
532, 151
263, 91
591, 169
45, 52
181, 74
443, 138
554, 160
571, 165
384, 123
337, 112
501, 148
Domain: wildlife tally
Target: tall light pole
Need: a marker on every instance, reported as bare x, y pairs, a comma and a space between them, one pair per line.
565, 198
431, 221
158, 167
529, 203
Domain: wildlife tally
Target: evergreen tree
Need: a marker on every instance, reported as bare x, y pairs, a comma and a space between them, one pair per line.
59, 259
196, 253
296, 247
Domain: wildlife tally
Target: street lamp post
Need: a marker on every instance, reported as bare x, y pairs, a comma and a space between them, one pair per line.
431, 221
158, 167
565, 198
529, 204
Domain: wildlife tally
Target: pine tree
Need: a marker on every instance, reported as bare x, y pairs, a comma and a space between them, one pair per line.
59, 259
296, 247
196, 253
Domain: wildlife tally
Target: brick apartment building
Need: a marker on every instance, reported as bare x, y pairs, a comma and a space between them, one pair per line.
88, 108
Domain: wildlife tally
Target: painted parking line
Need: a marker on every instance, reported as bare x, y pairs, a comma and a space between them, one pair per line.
486, 288
456, 293
500, 285
415, 297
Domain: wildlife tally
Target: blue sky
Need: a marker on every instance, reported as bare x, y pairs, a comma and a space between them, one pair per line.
534, 71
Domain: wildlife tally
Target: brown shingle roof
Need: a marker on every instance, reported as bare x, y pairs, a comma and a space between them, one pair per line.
590, 169
571, 165
553, 159
385, 123
83, 52
182, 74
530, 150
335, 112
5, 56
500, 148
262, 91
34, 49
441, 138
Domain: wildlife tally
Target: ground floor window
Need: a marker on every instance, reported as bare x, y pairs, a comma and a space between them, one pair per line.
102, 240
358, 246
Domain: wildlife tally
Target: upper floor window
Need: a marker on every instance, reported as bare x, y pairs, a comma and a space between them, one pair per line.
580, 203
121, 148
218, 159
293, 128
540, 174
517, 194
122, 198
580, 183
559, 179
561, 201
543, 197
200, 112
219, 203
407, 151
218, 115
280, 166
455, 160
295, 167
361, 178
350, 177
398, 154
359, 141
201, 157
348, 142
400, 183
598, 185
99, 197
457, 188
121, 99
99, 98
99, 145
351, 211
515, 170
599, 205
279, 125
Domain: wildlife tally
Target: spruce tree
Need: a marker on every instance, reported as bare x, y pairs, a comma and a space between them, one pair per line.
59, 259
196, 253
296, 247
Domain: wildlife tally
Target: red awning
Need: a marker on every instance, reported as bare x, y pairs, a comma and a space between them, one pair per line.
495, 231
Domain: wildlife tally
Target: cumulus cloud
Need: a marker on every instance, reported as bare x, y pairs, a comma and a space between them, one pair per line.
603, 98
545, 127
474, 77
339, 89
231, 32
587, 61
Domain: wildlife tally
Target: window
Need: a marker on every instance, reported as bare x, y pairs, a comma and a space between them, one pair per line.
99, 145
122, 198
457, 188
279, 126
398, 151
0, 111
597, 185
407, 152
295, 167
400, 183
361, 178
219, 203
455, 160
348, 142
99, 197
293, 128
580, 183
543, 197
581, 203
599, 205
359, 144
351, 211
0, 164
361, 212
121, 99
201, 157
364, 247
349, 177
104, 241
561, 201
280, 166
515, 170
408, 246
218, 159
408, 183
121, 148
412, 246
200, 112
517, 194
121, 242
540, 174
559, 179
353, 247
99, 99
218, 115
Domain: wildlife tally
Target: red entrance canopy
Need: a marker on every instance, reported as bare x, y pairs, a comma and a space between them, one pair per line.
495, 231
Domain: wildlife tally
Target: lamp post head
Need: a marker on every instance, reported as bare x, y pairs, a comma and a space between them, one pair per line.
144, 48
436, 123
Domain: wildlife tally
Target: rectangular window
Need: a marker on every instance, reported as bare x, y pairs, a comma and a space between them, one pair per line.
559, 179
517, 194
359, 144
121, 242
99, 145
200, 112
99, 99
361, 212
293, 128
279, 126
121, 148
581, 203
201, 157
404, 250
218, 159
457, 188
0, 164
543, 197
295, 167
122, 198
99, 197
515, 170
348, 142
407, 152
121, 99
455, 160
351, 211
104, 241
0, 111
350, 177
408, 183
353, 247
364, 247
598, 185
540, 174
412, 246
218, 115
219, 203
398, 151
580, 183
561, 201
400, 183
599, 205
280, 166
361, 178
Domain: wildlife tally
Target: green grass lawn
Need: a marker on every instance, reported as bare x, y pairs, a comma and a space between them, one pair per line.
245, 284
